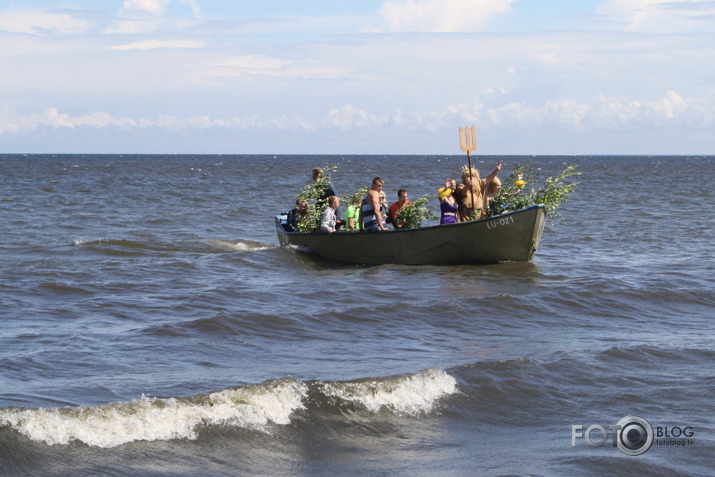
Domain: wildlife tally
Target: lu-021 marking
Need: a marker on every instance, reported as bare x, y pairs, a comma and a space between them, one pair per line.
501, 222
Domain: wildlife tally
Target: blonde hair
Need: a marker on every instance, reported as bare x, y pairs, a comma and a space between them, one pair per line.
465, 174
493, 184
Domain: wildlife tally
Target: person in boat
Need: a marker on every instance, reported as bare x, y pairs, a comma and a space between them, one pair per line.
471, 194
326, 191
492, 193
384, 209
352, 216
296, 215
370, 216
449, 209
402, 201
328, 220
505, 203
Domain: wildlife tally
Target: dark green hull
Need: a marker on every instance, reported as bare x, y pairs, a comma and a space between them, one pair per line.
509, 237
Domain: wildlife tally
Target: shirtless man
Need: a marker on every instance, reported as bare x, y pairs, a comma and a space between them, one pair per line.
372, 219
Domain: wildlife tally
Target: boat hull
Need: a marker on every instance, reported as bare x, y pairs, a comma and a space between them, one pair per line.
512, 236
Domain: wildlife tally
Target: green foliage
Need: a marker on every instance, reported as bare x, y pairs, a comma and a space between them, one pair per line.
553, 192
475, 215
412, 215
357, 197
351, 199
314, 195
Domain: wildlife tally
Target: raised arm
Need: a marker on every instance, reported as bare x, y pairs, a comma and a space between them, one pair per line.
487, 181
494, 173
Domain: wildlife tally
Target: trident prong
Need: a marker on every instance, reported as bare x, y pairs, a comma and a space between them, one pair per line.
467, 141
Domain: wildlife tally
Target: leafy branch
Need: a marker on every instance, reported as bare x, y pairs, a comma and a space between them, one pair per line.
553, 192
315, 195
413, 214
357, 197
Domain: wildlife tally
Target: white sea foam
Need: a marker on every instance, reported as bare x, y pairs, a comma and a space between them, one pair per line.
250, 407
241, 246
80, 242
410, 394
150, 419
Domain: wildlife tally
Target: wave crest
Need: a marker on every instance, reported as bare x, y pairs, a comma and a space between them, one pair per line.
410, 394
255, 407
150, 419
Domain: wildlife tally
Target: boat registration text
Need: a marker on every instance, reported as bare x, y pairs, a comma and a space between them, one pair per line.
500, 222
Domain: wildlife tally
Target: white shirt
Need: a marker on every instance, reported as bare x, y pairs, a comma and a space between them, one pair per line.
328, 220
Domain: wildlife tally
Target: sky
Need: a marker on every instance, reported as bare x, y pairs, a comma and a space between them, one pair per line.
357, 76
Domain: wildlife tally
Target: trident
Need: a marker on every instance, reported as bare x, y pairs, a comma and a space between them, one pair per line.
468, 143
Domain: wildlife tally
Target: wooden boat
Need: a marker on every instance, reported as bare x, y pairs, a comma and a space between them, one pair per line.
512, 236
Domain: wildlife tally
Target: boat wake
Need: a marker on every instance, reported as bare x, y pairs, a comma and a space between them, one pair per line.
241, 245
142, 245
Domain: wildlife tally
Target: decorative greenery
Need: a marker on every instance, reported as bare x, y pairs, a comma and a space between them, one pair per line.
553, 192
412, 215
475, 215
315, 194
351, 199
357, 197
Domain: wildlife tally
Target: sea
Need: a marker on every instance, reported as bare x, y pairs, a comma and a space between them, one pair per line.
151, 325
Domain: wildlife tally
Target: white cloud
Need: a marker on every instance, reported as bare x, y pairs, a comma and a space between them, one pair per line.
52, 118
128, 27
348, 116
38, 22
570, 113
242, 66
149, 16
660, 15
154, 7
440, 15
670, 109
155, 44
607, 113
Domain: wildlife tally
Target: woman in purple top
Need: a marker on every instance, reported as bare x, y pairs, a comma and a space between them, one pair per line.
447, 204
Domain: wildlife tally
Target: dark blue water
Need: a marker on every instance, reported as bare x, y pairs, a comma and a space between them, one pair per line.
151, 325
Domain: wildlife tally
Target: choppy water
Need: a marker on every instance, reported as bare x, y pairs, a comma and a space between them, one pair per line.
151, 325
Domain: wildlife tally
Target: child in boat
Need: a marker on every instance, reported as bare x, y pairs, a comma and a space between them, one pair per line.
496, 207
328, 221
447, 204
352, 216
492, 192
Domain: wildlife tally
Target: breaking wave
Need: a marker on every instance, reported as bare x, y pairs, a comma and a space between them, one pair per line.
256, 407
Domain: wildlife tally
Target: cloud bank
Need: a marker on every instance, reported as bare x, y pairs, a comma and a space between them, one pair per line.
671, 109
